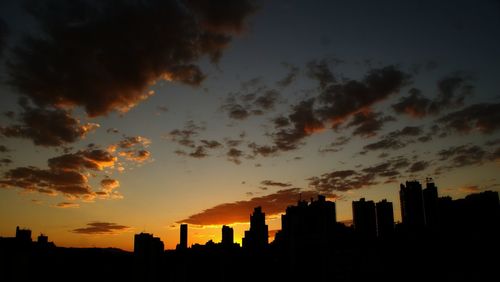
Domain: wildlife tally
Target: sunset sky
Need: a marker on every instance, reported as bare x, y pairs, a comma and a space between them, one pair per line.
120, 117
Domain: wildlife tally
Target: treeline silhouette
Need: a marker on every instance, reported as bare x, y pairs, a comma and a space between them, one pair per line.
439, 239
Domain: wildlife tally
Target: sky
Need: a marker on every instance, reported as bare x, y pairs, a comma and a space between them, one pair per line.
136, 116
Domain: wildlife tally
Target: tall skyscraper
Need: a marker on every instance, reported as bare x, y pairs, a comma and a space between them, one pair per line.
385, 218
431, 204
412, 205
364, 219
184, 237
257, 237
227, 236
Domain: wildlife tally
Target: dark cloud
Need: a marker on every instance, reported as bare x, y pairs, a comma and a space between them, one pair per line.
47, 127
488, 143
67, 174
394, 140
4, 149
281, 121
82, 160
339, 101
112, 130
184, 137
69, 182
240, 107
104, 55
335, 146
319, 71
101, 228
290, 77
341, 180
274, 183
418, 166
162, 109
211, 144
267, 100
232, 142
304, 123
234, 155
415, 105
238, 112
452, 91
263, 150
65, 205
484, 118
464, 155
5, 162
345, 180
367, 124
240, 211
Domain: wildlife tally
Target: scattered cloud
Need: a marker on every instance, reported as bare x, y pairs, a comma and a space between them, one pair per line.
464, 155
452, 91
184, 137
67, 174
339, 101
47, 127
290, 77
101, 228
484, 118
239, 211
304, 123
418, 166
319, 71
367, 124
274, 183
394, 140
234, 155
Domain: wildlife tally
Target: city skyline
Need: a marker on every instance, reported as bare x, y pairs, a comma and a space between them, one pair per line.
145, 115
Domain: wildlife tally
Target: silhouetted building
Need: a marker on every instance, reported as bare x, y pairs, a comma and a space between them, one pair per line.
23, 235
412, 205
431, 205
306, 230
42, 239
257, 237
227, 236
147, 246
364, 220
183, 237
385, 219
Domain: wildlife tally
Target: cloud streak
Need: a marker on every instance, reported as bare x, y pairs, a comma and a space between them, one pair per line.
101, 228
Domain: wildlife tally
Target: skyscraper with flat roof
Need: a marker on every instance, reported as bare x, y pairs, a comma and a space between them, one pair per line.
184, 237
412, 205
364, 220
385, 218
227, 236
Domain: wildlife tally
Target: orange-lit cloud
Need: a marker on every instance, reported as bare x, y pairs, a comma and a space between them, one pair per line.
239, 211
470, 189
109, 184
